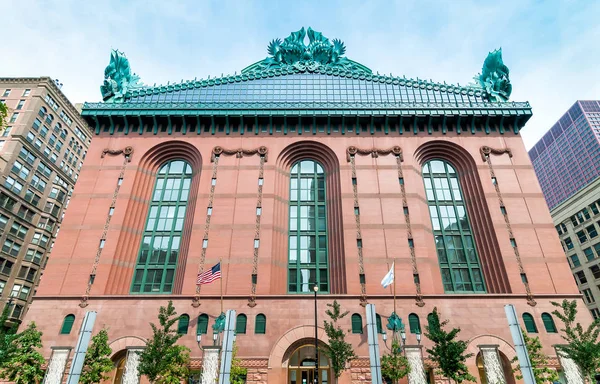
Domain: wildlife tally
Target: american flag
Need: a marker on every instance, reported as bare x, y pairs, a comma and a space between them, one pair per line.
209, 276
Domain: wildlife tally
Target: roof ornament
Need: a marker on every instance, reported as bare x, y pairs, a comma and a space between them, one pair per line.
320, 52
494, 77
118, 78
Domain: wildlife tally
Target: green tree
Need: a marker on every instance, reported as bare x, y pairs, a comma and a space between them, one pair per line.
447, 352
237, 373
583, 346
394, 365
339, 352
24, 362
7, 335
539, 361
163, 361
97, 361
3, 116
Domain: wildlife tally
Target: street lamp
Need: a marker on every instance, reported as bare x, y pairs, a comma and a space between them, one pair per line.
316, 379
418, 337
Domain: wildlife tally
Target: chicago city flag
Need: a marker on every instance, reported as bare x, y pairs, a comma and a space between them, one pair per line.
388, 278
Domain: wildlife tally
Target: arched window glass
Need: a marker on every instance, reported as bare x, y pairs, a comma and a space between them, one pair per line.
67, 325
549, 323
240, 323
357, 326
529, 323
454, 241
159, 251
307, 262
260, 325
184, 322
414, 324
202, 328
379, 324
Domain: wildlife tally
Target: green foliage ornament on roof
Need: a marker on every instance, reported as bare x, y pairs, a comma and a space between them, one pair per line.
317, 53
118, 78
494, 77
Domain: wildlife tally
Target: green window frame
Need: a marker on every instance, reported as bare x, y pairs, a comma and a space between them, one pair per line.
260, 324
455, 244
307, 237
379, 323
67, 325
529, 322
240, 323
202, 328
161, 241
414, 323
357, 325
182, 326
549, 323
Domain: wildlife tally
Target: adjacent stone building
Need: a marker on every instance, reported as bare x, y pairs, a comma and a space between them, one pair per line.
305, 169
42, 149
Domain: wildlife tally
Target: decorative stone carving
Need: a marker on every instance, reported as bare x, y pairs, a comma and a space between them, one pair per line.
374, 152
118, 78
127, 152
494, 77
57, 365
570, 369
486, 151
492, 364
210, 365
417, 368
239, 152
131, 374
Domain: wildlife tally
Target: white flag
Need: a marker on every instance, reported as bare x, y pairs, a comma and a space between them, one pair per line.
388, 278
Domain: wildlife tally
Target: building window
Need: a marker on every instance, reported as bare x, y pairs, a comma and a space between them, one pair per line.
20, 292
202, 328
357, 326
6, 93
7, 202
2, 142
27, 273
184, 322
581, 277
2, 285
40, 239
530, 326
307, 258
414, 323
548, 323
582, 237
67, 325
595, 313
27, 156
568, 243
3, 221
6, 131
19, 230
159, 251
33, 256
26, 92
240, 324
20, 170
13, 185
589, 254
11, 247
260, 326
595, 269
378, 323
591, 230
455, 245
17, 310
588, 297
20, 104
575, 261
14, 117
5, 266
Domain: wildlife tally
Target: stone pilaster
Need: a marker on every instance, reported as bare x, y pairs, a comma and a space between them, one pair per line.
492, 365
570, 369
414, 355
57, 365
210, 364
131, 374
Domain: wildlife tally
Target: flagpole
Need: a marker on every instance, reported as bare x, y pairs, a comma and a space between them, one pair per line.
221, 281
394, 282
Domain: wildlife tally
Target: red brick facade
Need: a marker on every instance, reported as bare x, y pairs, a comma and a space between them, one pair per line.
232, 230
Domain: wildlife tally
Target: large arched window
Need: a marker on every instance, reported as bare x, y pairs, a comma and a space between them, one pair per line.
157, 259
357, 326
455, 246
202, 328
529, 322
414, 323
184, 322
67, 324
548, 323
307, 262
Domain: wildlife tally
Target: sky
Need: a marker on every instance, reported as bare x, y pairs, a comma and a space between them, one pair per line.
552, 48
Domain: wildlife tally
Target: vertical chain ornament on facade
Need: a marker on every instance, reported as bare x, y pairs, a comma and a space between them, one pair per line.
127, 152
239, 153
361, 266
262, 151
397, 152
486, 153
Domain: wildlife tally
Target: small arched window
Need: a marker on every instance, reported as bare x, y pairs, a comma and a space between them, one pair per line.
184, 322
240, 323
202, 328
42, 112
549, 323
260, 325
379, 324
49, 118
414, 323
67, 324
529, 323
430, 319
357, 326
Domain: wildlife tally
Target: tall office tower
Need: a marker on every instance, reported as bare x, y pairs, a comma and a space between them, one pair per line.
42, 149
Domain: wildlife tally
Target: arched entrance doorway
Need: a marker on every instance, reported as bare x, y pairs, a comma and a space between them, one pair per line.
302, 366
119, 360
506, 368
